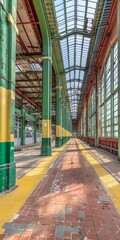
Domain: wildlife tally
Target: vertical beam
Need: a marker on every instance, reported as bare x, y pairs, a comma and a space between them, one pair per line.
96, 110
118, 24
47, 78
86, 118
58, 112
105, 116
23, 127
63, 121
112, 92
7, 96
35, 131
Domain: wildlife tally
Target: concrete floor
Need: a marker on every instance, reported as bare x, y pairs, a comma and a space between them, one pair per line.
108, 160
28, 158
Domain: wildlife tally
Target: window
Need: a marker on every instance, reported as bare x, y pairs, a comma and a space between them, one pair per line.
109, 95
92, 114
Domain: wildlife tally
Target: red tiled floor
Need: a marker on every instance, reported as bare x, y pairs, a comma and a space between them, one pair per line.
67, 199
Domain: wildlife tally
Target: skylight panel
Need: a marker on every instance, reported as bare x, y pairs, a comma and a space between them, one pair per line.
60, 14
77, 73
70, 25
60, 7
67, 76
75, 16
72, 74
36, 66
72, 84
19, 68
81, 75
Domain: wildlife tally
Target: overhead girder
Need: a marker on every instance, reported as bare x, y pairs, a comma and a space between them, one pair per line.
28, 80
75, 68
27, 56
28, 86
73, 95
28, 72
27, 98
74, 32
74, 80
74, 88
31, 92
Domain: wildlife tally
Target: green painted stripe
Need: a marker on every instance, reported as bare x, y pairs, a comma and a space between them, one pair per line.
46, 141
7, 86
6, 154
7, 166
46, 147
58, 142
63, 140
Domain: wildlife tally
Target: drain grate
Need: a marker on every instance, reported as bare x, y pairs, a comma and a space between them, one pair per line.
100, 187
61, 230
104, 198
81, 215
17, 228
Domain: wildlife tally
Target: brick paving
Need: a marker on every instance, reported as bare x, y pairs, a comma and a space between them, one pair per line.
69, 204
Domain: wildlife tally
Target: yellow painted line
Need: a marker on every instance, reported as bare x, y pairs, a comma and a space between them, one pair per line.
12, 202
58, 131
111, 185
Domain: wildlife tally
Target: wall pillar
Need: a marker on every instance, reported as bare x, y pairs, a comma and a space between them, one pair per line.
96, 111
58, 113
63, 122
23, 127
86, 118
118, 23
7, 96
35, 131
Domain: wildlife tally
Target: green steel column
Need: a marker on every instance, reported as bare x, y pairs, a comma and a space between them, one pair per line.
58, 112
35, 131
7, 96
96, 110
23, 127
66, 124
47, 78
105, 127
118, 23
63, 122
112, 92
87, 118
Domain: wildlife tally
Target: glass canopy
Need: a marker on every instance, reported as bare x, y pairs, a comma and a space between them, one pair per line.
75, 20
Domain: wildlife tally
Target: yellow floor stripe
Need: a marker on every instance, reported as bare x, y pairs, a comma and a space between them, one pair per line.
110, 183
11, 203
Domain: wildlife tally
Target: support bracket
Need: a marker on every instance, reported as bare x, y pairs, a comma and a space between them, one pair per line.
47, 58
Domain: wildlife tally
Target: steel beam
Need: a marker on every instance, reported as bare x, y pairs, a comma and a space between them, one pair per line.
87, 118
84, 33
23, 95
28, 80
24, 87
47, 78
96, 111
7, 96
118, 24
58, 112
28, 72
22, 56
112, 92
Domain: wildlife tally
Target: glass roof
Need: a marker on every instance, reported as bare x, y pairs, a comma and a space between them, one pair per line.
75, 18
